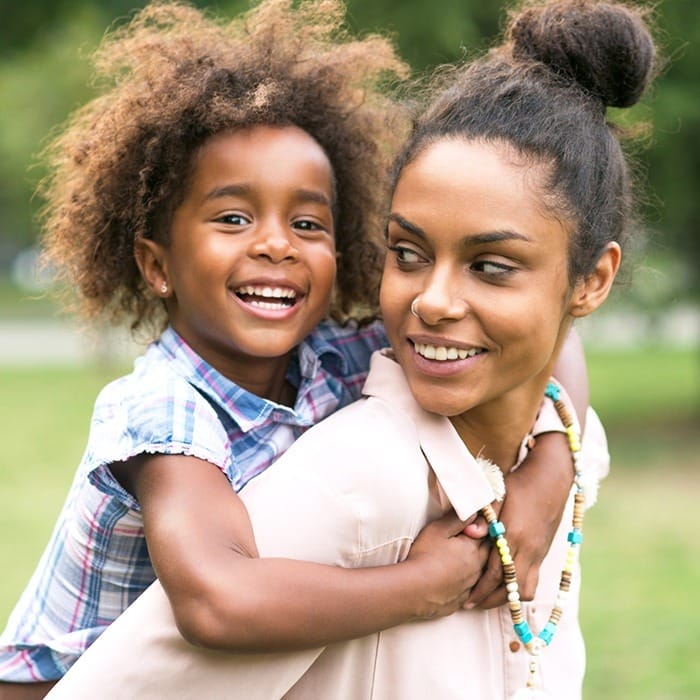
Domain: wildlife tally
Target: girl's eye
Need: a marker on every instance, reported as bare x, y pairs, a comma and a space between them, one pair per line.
307, 225
490, 268
311, 228
406, 256
233, 219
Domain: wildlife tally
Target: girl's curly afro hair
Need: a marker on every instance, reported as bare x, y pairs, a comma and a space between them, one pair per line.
172, 78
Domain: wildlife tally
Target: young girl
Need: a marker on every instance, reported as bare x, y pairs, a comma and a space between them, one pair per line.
510, 208
212, 188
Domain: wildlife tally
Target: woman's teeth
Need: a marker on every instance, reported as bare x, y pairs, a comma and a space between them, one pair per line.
442, 352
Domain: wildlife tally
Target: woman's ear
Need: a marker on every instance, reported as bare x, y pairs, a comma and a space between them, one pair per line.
593, 289
152, 263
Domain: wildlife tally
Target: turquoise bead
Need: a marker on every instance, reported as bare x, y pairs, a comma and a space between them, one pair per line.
575, 537
522, 629
547, 632
552, 391
496, 528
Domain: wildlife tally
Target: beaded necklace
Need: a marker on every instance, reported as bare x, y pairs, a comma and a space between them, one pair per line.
534, 644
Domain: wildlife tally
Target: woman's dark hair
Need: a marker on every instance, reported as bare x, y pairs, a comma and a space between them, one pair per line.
544, 92
172, 78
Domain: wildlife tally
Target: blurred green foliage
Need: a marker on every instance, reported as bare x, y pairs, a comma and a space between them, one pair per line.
44, 71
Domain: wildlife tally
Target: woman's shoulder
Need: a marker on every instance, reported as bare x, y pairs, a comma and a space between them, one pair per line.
370, 442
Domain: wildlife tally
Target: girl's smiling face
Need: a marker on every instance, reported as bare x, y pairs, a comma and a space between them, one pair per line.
250, 264
470, 237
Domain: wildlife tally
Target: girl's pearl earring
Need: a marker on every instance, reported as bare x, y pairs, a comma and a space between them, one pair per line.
164, 288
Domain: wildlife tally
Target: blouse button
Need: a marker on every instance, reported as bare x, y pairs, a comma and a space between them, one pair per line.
514, 646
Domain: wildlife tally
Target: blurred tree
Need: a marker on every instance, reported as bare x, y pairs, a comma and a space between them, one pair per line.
673, 161
44, 45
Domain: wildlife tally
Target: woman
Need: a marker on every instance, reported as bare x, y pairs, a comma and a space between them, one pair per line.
510, 209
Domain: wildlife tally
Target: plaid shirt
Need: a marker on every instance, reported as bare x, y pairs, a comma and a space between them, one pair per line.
96, 562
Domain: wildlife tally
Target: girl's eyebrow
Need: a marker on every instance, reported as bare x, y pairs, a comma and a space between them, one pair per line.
227, 191
313, 196
473, 239
232, 190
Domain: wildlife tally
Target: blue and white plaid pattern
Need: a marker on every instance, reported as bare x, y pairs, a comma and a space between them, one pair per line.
96, 562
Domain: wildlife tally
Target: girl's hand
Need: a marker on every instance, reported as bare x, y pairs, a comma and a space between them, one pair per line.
449, 562
536, 496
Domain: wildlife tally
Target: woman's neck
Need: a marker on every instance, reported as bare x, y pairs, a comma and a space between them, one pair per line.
496, 429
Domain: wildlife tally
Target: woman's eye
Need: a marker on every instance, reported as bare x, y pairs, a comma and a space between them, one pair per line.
492, 268
405, 256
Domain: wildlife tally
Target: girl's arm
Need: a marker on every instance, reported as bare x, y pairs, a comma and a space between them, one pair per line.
25, 691
537, 492
203, 550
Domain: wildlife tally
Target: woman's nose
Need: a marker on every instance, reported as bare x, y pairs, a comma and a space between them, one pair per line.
442, 299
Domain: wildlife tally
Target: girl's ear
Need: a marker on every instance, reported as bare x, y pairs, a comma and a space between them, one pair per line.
593, 290
152, 263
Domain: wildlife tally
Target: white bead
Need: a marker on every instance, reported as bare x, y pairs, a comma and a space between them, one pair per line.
535, 646
512, 586
513, 596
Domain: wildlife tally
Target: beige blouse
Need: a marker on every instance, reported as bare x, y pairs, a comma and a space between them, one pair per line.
355, 491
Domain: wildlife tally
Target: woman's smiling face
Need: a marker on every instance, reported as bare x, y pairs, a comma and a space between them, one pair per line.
470, 237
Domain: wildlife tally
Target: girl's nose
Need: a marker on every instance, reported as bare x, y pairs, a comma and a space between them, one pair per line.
275, 243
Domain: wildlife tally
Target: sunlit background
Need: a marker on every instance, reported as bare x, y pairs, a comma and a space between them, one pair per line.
641, 563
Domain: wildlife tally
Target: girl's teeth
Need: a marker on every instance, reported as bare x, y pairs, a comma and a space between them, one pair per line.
267, 297
268, 305
267, 292
442, 353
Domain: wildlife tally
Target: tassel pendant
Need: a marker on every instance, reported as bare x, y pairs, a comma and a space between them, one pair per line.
531, 691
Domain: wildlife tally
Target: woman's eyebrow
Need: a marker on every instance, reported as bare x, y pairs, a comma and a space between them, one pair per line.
407, 225
495, 237
470, 239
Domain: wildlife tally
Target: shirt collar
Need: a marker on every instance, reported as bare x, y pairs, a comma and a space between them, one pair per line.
461, 478
246, 408
312, 353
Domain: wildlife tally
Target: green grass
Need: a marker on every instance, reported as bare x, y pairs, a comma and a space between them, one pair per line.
645, 385
641, 569
641, 578
45, 417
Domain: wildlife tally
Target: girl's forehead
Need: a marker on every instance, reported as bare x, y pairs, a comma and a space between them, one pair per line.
263, 151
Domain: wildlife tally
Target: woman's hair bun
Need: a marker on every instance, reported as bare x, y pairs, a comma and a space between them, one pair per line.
604, 46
